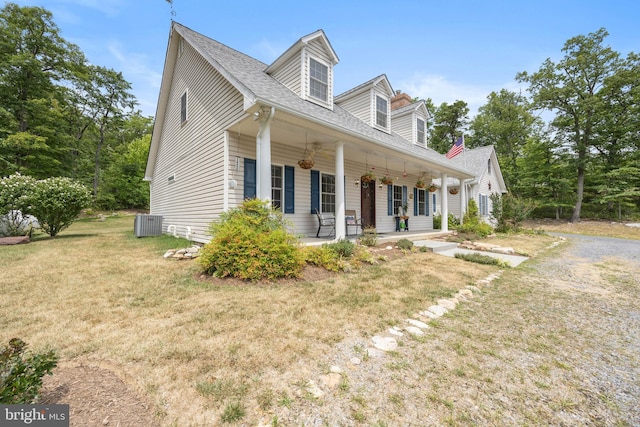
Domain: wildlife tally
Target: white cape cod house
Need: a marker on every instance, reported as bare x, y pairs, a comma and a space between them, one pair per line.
229, 127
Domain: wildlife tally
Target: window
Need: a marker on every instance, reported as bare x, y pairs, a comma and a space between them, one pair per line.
397, 199
180, 47
183, 108
318, 80
421, 202
484, 204
276, 186
328, 193
420, 130
171, 179
381, 111
489, 166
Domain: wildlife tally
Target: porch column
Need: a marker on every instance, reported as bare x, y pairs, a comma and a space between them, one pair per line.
341, 228
263, 154
463, 199
444, 203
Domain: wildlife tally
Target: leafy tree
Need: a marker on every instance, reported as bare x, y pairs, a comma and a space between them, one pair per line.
56, 202
450, 121
123, 185
505, 122
573, 89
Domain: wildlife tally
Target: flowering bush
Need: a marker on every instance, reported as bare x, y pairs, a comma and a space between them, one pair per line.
14, 205
56, 202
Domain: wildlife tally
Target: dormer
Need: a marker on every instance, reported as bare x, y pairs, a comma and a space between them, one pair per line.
307, 69
410, 118
370, 102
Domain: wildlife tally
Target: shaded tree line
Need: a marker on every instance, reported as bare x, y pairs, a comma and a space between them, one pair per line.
61, 116
584, 161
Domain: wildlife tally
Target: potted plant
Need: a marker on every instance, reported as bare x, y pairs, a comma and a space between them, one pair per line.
432, 188
420, 183
306, 163
453, 190
367, 177
386, 180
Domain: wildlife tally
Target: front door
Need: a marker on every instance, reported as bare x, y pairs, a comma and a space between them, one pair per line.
368, 204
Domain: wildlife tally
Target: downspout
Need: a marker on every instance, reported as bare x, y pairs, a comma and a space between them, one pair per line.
263, 154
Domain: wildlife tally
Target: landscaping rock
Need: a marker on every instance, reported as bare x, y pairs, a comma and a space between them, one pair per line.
14, 240
449, 304
417, 324
384, 343
413, 330
438, 310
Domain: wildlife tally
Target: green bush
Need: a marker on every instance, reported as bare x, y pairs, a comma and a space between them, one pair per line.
482, 259
252, 243
14, 205
343, 248
324, 257
369, 236
453, 221
471, 222
21, 373
404, 244
510, 211
56, 202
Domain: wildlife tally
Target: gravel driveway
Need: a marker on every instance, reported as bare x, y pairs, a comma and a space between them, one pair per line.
607, 272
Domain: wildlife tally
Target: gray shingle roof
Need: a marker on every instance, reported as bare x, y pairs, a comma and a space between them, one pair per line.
248, 75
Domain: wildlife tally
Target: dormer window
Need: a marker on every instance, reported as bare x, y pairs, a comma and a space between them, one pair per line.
318, 80
420, 131
381, 111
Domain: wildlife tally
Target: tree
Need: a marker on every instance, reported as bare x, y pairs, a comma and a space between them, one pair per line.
451, 121
123, 185
506, 122
34, 61
572, 89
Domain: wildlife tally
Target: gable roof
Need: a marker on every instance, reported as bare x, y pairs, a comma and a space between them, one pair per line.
475, 160
299, 44
248, 76
365, 87
419, 105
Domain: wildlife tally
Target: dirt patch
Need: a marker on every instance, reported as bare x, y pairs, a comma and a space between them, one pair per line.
96, 397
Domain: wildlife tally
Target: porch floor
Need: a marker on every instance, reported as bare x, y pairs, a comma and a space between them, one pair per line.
382, 237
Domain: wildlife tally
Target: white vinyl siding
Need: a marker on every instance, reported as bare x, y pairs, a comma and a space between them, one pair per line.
289, 75
359, 106
195, 151
402, 126
420, 131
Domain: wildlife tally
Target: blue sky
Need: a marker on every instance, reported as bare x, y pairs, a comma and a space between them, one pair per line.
444, 50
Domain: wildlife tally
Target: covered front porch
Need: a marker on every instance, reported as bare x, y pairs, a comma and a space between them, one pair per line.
340, 171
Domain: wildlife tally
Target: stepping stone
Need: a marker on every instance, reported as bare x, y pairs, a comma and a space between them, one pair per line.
374, 352
473, 288
447, 303
438, 310
384, 343
428, 314
417, 324
466, 293
396, 332
414, 330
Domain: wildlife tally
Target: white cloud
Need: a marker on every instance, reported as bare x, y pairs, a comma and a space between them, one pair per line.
138, 70
440, 90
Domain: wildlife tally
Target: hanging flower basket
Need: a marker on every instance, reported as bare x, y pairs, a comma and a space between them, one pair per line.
386, 180
420, 183
453, 190
306, 163
432, 188
367, 177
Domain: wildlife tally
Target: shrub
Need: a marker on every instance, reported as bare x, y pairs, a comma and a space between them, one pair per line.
324, 257
369, 236
21, 373
482, 259
56, 202
510, 211
404, 244
343, 248
14, 205
251, 242
453, 221
471, 222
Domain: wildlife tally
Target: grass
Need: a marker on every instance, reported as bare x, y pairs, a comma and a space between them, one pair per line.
98, 294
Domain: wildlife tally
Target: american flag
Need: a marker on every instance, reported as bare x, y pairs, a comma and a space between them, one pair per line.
457, 148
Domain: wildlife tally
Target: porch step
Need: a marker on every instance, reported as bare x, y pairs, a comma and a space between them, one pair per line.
436, 247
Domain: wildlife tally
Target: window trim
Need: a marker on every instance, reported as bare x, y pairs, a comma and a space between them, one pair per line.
421, 204
322, 193
424, 131
312, 78
184, 107
377, 112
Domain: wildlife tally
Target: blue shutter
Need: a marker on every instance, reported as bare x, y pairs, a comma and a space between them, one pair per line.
249, 178
289, 189
434, 203
315, 191
415, 201
389, 199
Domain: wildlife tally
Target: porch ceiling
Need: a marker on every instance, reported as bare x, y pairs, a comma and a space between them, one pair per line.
297, 132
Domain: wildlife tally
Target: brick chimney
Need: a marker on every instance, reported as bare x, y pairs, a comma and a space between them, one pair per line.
400, 100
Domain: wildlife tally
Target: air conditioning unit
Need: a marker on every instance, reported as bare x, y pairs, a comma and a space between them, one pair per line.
148, 225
